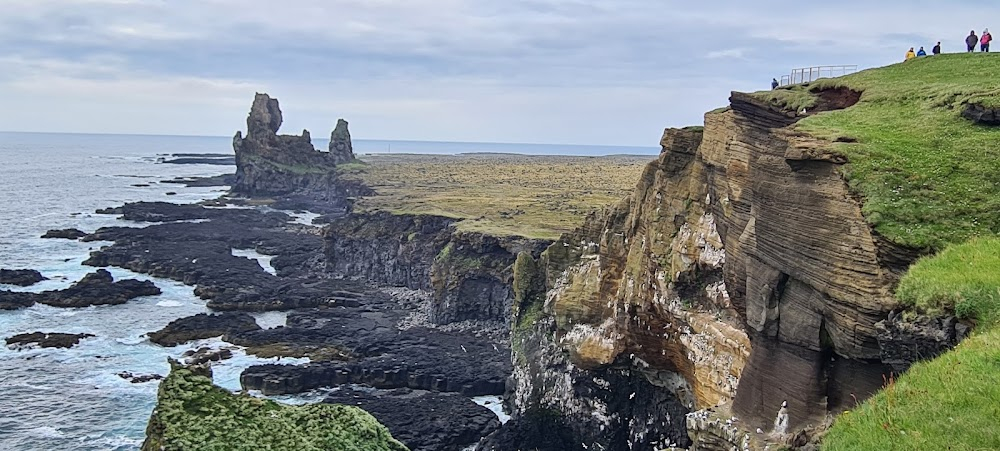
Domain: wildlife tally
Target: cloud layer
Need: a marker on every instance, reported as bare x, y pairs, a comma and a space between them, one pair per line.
567, 71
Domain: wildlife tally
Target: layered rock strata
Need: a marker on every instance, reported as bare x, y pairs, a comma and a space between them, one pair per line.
740, 272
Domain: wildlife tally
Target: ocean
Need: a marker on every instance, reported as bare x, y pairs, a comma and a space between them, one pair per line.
73, 399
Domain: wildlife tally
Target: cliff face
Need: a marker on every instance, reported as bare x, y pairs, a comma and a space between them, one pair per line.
271, 164
741, 272
469, 273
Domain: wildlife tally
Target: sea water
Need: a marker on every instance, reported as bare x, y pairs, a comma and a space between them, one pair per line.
73, 399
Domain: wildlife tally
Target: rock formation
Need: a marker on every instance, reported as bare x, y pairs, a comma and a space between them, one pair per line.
203, 326
45, 340
271, 164
96, 288
191, 412
341, 149
740, 273
20, 277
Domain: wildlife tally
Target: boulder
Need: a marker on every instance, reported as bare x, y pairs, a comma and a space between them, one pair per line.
203, 326
45, 340
66, 234
20, 277
98, 288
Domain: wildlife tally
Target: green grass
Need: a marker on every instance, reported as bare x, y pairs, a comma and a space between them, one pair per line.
949, 403
193, 414
964, 279
928, 176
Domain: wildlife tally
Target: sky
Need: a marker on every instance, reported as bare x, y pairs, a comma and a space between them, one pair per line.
602, 72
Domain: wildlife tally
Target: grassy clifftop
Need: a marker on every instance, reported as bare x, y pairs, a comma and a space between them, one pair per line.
928, 175
193, 414
499, 194
929, 178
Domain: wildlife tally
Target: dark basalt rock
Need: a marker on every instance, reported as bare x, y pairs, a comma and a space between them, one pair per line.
341, 150
46, 340
205, 355
13, 300
383, 356
445, 421
204, 182
20, 277
98, 288
201, 254
905, 342
65, 234
272, 164
203, 326
139, 378
981, 114
536, 430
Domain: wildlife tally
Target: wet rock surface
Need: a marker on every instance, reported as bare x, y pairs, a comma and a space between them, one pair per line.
352, 332
20, 277
139, 378
96, 288
200, 253
204, 355
445, 421
536, 430
45, 340
203, 326
379, 354
65, 234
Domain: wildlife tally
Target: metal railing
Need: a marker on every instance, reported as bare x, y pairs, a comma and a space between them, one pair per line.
808, 74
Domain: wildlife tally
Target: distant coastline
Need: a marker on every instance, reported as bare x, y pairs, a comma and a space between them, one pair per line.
392, 146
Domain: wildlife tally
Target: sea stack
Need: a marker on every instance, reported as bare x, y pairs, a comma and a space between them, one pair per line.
341, 150
271, 164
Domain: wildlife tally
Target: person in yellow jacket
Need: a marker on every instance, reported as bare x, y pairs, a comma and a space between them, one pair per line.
910, 54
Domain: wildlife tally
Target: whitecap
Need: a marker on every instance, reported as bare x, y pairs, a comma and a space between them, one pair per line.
47, 432
169, 304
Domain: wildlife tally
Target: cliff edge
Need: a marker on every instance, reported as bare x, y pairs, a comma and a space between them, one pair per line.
753, 270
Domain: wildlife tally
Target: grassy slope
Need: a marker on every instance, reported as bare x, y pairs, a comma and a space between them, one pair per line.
193, 414
531, 196
929, 178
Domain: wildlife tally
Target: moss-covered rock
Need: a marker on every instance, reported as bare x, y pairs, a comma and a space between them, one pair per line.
193, 414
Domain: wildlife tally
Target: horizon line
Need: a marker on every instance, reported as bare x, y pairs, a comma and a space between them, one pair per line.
326, 139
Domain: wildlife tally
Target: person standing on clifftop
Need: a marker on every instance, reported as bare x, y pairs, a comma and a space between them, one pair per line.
774, 84
937, 49
910, 55
984, 42
971, 41
921, 52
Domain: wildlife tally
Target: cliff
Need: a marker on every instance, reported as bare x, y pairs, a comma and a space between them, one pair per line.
271, 164
754, 265
191, 413
469, 273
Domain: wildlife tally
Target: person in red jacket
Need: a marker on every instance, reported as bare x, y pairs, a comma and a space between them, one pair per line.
984, 41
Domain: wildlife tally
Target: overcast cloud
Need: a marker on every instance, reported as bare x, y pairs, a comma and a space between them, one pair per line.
557, 71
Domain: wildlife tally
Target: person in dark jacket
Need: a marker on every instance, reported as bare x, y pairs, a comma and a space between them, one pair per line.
774, 83
971, 41
937, 49
921, 52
